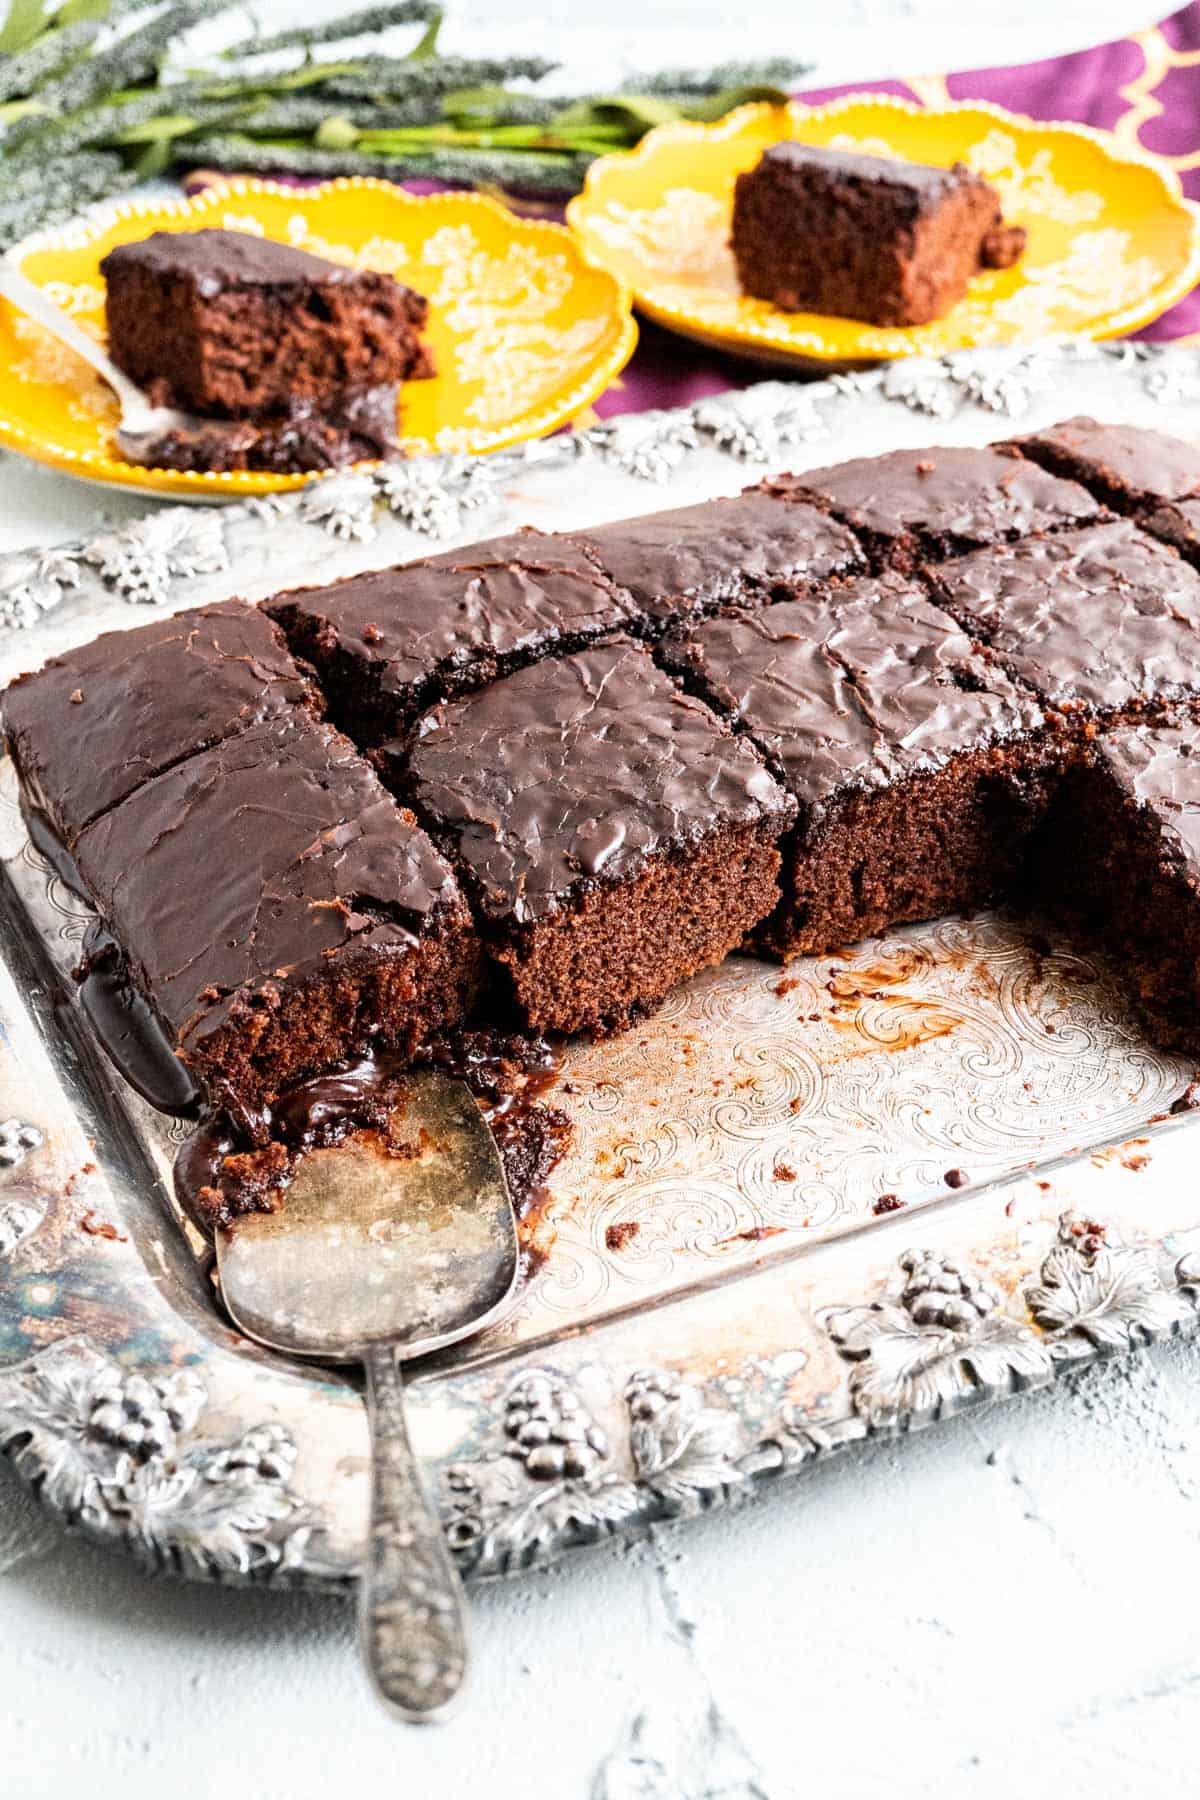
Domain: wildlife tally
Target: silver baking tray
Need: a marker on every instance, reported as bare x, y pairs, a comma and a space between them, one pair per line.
799, 1208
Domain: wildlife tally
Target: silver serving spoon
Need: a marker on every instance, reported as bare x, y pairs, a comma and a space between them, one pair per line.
143, 426
376, 1257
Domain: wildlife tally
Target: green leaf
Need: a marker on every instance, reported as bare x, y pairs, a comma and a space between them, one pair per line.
636, 112
73, 12
158, 130
19, 109
426, 44
154, 160
25, 21
336, 134
715, 106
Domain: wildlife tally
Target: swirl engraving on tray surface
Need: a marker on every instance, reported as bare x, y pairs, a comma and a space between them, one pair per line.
766, 1105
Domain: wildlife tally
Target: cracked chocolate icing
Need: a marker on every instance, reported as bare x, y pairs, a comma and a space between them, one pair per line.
397, 640
856, 688
579, 770
931, 502
1129, 466
737, 550
215, 260
255, 863
1095, 620
97, 722
1157, 768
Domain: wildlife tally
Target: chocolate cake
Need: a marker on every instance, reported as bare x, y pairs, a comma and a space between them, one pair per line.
279, 911
301, 437
753, 548
1103, 623
1121, 852
1133, 470
98, 722
230, 325
387, 645
915, 506
865, 237
918, 765
1146, 474
619, 811
613, 835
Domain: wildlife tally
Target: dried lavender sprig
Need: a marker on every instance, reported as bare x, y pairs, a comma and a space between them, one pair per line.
389, 78
39, 138
290, 113
358, 24
56, 51
528, 171
682, 84
132, 59
64, 188
301, 113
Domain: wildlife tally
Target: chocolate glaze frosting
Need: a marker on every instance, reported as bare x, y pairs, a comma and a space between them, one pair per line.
96, 723
1158, 769
972, 496
1129, 466
698, 557
920, 184
256, 862
215, 260
1095, 620
856, 688
412, 635
576, 770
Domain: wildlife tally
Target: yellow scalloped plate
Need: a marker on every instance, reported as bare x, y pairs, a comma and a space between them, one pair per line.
525, 329
1112, 241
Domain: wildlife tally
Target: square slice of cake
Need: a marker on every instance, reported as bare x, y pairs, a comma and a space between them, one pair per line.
223, 323
388, 645
96, 723
1102, 623
915, 506
744, 551
1121, 854
865, 237
613, 835
279, 911
918, 765
1128, 467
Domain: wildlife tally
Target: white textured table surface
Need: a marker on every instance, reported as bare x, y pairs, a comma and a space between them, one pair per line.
1002, 1606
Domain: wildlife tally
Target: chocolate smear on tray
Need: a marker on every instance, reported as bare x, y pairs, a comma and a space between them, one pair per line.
220, 1176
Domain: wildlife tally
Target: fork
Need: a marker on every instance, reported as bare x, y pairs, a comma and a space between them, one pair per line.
143, 426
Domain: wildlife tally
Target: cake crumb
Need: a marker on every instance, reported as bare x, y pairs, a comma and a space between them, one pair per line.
622, 1233
887, 1203
101, 1228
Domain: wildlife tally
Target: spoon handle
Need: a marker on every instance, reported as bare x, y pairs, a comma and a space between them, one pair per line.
24, 294
412, 1611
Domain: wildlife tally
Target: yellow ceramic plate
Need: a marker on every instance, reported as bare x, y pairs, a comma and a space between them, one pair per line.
526, 331
1112, 241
